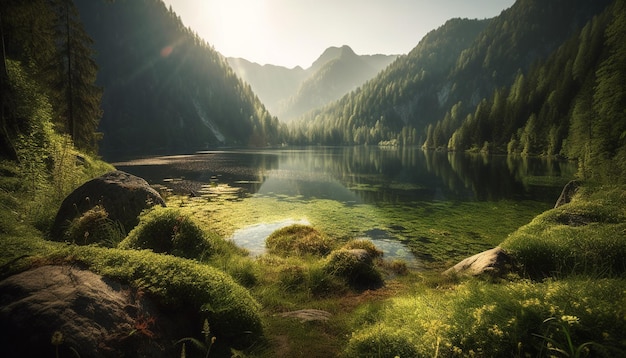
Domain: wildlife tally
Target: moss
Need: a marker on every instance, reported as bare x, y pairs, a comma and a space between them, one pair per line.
355, 267
298, 240
95, 227
168, 230
585, 236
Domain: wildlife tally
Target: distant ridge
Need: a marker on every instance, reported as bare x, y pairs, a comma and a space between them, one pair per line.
288, 93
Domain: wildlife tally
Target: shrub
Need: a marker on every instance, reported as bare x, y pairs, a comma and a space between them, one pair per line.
167, 230
355, 266
95, 227
298, 240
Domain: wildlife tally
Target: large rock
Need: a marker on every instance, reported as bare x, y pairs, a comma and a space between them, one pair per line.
83, 314
122, 195
494, 262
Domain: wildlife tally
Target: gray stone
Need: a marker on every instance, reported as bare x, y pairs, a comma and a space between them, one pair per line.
494, 262
122, 195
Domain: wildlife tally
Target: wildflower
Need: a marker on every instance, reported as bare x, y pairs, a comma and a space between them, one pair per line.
570, 320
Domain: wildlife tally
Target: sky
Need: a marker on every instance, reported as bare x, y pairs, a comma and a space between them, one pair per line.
296, 32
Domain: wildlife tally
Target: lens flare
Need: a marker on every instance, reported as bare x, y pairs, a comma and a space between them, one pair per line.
166, 51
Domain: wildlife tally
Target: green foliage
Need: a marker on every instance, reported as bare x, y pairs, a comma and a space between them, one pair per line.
298, 240
356, 268
584, 236
95, 227
489, 320
167, 230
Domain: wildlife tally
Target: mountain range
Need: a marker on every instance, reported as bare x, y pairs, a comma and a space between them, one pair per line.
289, 93
450, 70
540, 78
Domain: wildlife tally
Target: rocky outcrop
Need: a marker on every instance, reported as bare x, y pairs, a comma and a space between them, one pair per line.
494, 262
568, 193
78, 313
122, 195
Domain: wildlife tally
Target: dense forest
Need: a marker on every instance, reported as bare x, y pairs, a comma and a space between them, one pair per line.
572, 104
165, 89
540, 79
47, 77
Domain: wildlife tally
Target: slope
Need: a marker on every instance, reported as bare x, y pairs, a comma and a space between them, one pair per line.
165, 90
449, 71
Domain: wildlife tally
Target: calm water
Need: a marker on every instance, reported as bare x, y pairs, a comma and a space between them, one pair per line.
357, 175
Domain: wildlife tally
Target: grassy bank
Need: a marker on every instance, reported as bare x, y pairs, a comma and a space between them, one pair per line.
568, 299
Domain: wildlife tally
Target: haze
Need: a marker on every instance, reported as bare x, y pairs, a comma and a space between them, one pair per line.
291, 33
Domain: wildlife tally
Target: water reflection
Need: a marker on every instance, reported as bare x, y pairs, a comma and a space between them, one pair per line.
363, 174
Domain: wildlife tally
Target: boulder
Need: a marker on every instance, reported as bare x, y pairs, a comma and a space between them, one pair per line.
494, 262
122, 195
64, 311
568, 193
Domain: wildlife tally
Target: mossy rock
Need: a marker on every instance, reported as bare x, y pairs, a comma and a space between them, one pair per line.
180, 285
299, 240
167, 230
355, 266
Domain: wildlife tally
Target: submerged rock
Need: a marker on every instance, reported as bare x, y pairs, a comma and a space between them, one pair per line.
494, 262
122, 195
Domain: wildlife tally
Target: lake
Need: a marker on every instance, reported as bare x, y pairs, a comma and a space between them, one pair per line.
419, 206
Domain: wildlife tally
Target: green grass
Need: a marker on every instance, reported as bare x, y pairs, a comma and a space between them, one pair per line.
572, 301
479, 318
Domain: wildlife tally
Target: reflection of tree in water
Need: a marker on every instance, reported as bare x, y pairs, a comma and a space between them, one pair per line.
361, 173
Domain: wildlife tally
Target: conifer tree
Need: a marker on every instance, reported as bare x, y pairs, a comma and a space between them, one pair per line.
78, 107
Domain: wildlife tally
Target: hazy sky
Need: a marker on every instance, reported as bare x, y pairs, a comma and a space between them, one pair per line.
296, 32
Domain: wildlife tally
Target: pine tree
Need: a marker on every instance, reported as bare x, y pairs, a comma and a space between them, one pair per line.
78, 109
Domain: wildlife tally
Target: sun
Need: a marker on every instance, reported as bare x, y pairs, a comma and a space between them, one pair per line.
236, 27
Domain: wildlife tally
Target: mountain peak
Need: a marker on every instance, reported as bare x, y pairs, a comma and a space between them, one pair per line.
330, 54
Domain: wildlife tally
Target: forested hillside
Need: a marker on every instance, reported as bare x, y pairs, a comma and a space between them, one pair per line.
572, 104
449, 72
165, 89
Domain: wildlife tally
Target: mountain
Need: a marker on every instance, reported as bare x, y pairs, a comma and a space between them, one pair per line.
288, 93
271, 83
449, 72
165, 89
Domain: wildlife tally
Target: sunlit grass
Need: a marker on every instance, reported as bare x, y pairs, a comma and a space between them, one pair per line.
483, 319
